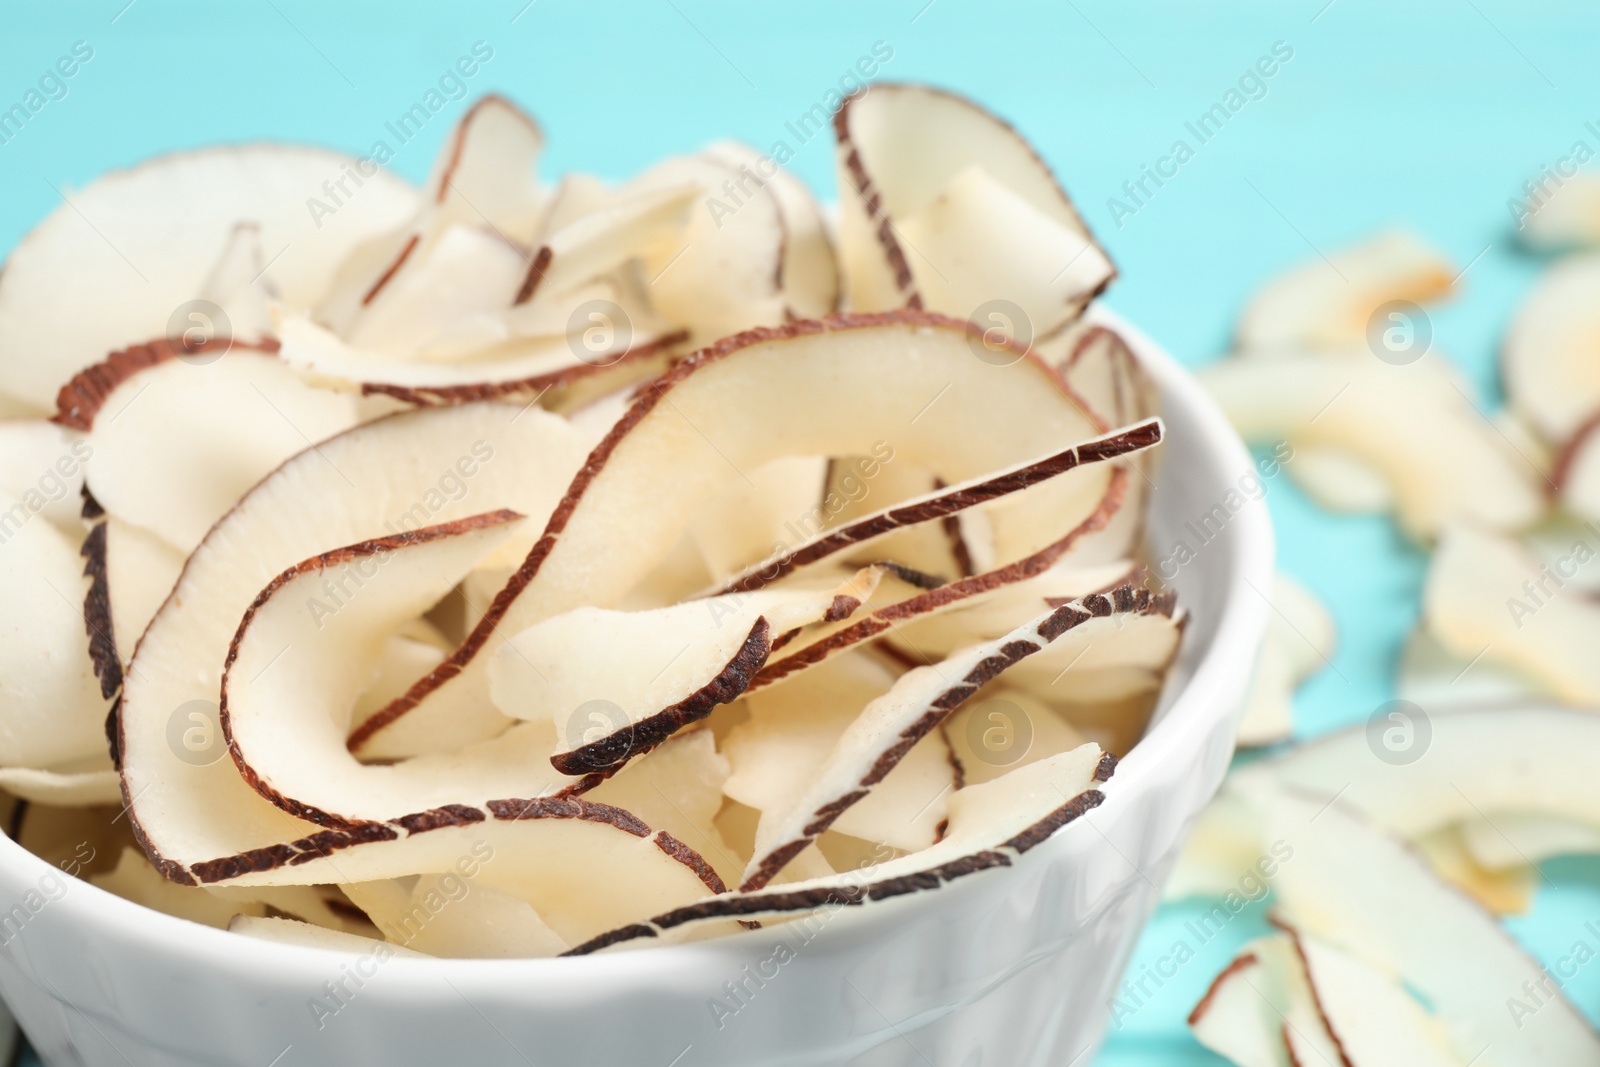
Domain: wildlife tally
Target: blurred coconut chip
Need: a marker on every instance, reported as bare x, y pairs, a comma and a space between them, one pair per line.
1329, 302
1413, 424
1547, 360
1300, 639
112, 246
1489, 597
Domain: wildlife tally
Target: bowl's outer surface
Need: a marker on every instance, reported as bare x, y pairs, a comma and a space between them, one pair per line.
1010, 968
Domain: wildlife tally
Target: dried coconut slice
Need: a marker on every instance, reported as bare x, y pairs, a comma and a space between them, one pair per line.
1463, 769
51, 708
592, 231
1577, 472
1340, 482
1002, 728
404, 472
449, 915
1548, 357
1507, 891
900, 609
525, 368
810, 272
1329, 302
41, 466
1442, 458
1432, 677
990, 825
616, 684
1300, 639
66, 788
143, 240
306, 935
1364, 892
914, 156
1488, 596
1565, 218
295, 669
919, 701
1261, 1010
238, 286
782, 502
776, 754
1513, 841
484, 176
723, 272
130, 571
175, 442
842, 380
948, 501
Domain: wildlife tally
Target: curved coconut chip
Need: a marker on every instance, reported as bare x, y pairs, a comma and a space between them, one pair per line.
389, 476
138, 245
130, 573
52, 702
1300, 639
1414, 423
954, 595
809, 270
306, 935
945, 206
175, 440
633, 679
1487, 596
535, 367
42, 467
483, 178
1547, 360
1329, 302
832, 375
916, 705
64, 788
948, 501
990, 825
591, 232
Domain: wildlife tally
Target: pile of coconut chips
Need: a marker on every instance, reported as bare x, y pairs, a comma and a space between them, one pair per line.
506, 569
1391, 848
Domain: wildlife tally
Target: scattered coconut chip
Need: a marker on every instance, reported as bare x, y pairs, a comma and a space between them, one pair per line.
990, 825
1564, 218
306, 935
1341, 482
1515, 840
1261, 1010
1487, 596
915, 706
1506, 891
113, 247
945, 206
1329, 302
1442, 458
1547, 360
1364, 892
1432, 677
1300, 639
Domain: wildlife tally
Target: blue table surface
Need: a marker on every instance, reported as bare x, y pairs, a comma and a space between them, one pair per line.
1430, 115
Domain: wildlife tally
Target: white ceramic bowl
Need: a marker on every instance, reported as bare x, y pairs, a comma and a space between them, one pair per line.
1009, 967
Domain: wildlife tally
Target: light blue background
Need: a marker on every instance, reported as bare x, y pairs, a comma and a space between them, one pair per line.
1431, 114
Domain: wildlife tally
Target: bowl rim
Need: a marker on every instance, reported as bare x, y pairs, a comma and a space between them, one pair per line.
1184, 716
